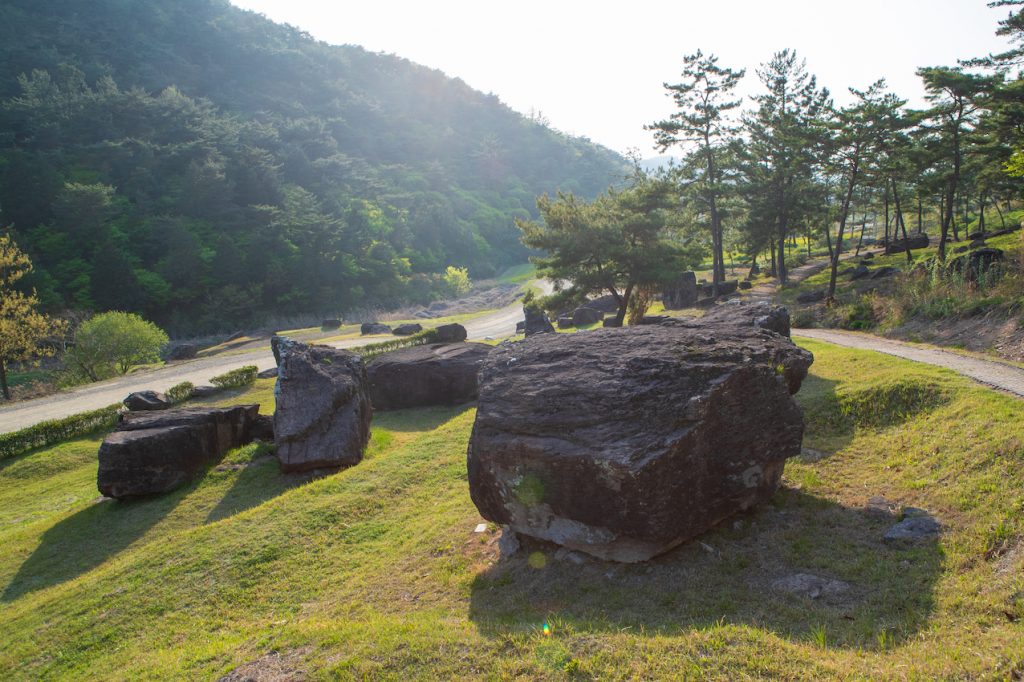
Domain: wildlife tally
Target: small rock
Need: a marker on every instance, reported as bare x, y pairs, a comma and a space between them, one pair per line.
879, 505
565, 322
480, 528
917, 525
183, 351
812, 587
583, 316
885, 271
407, 329
508, 543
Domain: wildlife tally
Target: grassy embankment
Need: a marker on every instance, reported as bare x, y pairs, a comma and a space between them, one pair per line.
376, 571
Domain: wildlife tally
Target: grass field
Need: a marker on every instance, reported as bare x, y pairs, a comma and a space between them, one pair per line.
376, 572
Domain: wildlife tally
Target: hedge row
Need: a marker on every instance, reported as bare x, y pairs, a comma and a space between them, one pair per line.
372, 350
45, 434
179, 393
236, 378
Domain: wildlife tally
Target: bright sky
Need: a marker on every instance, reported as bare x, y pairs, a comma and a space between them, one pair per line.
597, 69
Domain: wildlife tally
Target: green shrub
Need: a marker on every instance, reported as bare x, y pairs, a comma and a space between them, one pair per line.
236, 378
372, 350
114, 342
180, 392
54, 431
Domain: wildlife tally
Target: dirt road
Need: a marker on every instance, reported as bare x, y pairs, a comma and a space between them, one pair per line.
498, 324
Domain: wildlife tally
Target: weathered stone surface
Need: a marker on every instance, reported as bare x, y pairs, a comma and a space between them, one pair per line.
611, 322
451, 333
142, 401
623, 443
407, 329
758, 314
521, 327
583, 316
155, 452
323, 407
205, 391
917, 525
682, 293
536, 321
263, 428
913, 241
725, 288
367, 328
437, 374
330, 324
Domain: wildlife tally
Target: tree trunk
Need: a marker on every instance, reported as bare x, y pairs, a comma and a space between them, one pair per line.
920, 214
899, 219
1002, 221
887, 215
981, 213
771, 245
620, 316
3, 379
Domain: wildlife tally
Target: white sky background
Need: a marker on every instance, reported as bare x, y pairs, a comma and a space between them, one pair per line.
596, 69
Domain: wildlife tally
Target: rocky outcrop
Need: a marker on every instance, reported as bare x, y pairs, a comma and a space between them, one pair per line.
623, 443
536, 321
758, 314
450, 333
323, 407
437, 374
145, 401
583, 316
155, 452
368, 328
408, 329
681, 293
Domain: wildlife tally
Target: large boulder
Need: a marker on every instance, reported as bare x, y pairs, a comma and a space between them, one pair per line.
369, 328
976, 263
624, 443
146, 401
606, 304
681, 293
323, 407
758, 314
436, 374
536, 321
451, 333
151, 453
913, 241
583, 316
408, 329
725, 288
330, 324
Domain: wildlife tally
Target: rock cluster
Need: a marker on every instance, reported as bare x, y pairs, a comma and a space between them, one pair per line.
623, 443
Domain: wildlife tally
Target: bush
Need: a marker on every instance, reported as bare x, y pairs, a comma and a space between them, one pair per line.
56, 431
180, 392
456, 281
236, 378
372, 350
115, 341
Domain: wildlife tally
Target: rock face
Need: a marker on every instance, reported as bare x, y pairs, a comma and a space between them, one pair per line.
323, 407
367, 328
437, 374
144, 401
682, 293
760, 314
914, 241
623, 443
451, 333
155, 452
536, 322
408, 329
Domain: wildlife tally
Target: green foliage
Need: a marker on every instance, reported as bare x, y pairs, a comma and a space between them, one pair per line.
236, 378
372, 350
47, 433
179, 393
115, 341
456, 281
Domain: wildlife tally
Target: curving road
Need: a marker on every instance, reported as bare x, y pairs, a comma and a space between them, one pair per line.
498, 324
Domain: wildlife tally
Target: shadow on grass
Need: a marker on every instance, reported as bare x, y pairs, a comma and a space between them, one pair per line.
418, 418
729, 576
259, 481
87, 538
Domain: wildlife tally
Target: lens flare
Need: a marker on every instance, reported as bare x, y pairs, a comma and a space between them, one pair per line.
547, 630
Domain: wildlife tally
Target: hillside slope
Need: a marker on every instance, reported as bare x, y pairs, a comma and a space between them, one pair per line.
201, 164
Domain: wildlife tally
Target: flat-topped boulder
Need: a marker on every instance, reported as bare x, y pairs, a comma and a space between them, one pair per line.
536, 322
623, 443
151, 453
323, 407
435, 374
146, 401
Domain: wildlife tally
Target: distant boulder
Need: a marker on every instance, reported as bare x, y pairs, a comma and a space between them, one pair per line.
977, 263
884, 271
536, 321
451, 333
435, 374
681, 292
330, 324
583, 316
565, 322
145, 401
183, 351
407, 329
759, 314
745, 284
368, 328
913, 241
323, 407
605, 304
521, 327
860, 272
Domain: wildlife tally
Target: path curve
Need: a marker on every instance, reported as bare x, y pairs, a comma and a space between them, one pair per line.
497, 324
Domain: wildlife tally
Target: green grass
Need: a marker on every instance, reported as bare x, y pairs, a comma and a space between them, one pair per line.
375, 572
518, 274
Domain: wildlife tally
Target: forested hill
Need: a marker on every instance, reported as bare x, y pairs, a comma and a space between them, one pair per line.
204, 166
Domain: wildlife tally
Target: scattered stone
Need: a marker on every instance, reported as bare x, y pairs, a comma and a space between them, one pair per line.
368, 328
565, 322
407, 329
811, 296
480, 528
758, 314
653, 319
724, 288
917, 525
435, 374
812, 587
330, 324
268, 373
878, 505
869, 256
682, 293
451, 333
183, 351
536, 321
583, 316
914, 241
205, 391
976, 263
860, 272
323, 407
150, 453
884, 271
745, 285
508, 543
143, 401
977, 244
623, 443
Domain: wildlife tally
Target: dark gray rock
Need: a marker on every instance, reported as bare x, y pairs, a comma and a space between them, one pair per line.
368, 328
653, 319
860, 272
143, 401
724, 288
811, 296
914, 241
205, 391
745, 285
521, 327
263, 428
869, 256
606, 304
977, 244
583, 316
437, 374
268, 373
407, 329
976, 263
885, 271
536, 321
451, 333
182, 351
565, 322
151, 453
917, 526
623, 443
611, 322
323, 407
330, 324
758, 314
681, 293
